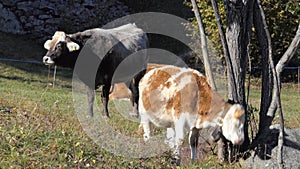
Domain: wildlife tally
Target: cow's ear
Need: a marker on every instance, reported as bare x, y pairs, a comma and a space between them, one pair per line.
72, 46
47, 44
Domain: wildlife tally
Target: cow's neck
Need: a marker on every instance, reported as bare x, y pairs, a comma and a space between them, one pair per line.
222, 114
217, 112
69, 60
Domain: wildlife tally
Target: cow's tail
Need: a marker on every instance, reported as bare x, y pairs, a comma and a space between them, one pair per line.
112, 88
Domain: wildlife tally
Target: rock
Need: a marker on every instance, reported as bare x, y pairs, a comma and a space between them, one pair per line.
10, 3
25, 6
42, 18
291, 151
9, 22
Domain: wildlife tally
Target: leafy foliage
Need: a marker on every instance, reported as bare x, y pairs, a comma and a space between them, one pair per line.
282, 18
209, 22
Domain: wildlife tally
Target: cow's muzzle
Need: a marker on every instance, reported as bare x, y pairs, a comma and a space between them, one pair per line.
47, 60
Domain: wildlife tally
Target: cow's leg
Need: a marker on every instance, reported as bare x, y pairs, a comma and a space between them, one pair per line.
105, 98
91, 98
170, 140
193, 140
134, 87
179, 137
146, 127
134, 98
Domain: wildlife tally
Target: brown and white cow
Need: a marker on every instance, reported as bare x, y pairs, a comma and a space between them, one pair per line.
181, 98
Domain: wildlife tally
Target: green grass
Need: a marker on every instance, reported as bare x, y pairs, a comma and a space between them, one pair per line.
290, 99
39, 127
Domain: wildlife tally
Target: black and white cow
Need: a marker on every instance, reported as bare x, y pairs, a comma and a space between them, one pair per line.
65, 49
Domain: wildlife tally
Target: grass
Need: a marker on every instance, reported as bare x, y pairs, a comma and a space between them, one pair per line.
290, 98
39, 127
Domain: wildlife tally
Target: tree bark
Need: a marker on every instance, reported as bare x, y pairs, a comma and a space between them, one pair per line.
207, 65
238, 32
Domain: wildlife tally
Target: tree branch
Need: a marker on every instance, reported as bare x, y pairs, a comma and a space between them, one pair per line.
208, 71
221, 143
290, 52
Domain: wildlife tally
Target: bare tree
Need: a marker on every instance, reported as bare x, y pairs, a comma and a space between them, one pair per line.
239, 21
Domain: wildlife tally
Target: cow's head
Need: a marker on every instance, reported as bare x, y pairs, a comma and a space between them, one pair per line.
58, 47
233, 124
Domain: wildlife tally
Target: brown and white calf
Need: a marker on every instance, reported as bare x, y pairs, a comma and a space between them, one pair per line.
180, 98
120, 92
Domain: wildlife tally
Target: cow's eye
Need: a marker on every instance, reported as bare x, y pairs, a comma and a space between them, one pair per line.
58, 46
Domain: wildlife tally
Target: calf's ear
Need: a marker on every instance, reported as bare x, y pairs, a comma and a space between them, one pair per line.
47, 44
72, 46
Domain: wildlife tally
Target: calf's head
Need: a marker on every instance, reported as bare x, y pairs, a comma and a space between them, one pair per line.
58, 47
233, 124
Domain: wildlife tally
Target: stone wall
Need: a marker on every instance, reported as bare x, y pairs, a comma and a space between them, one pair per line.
41, 18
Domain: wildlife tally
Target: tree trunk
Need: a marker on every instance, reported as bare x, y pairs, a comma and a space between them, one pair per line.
238, 32
267, 75
268, 109
207, 65
267, 117
276, 88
